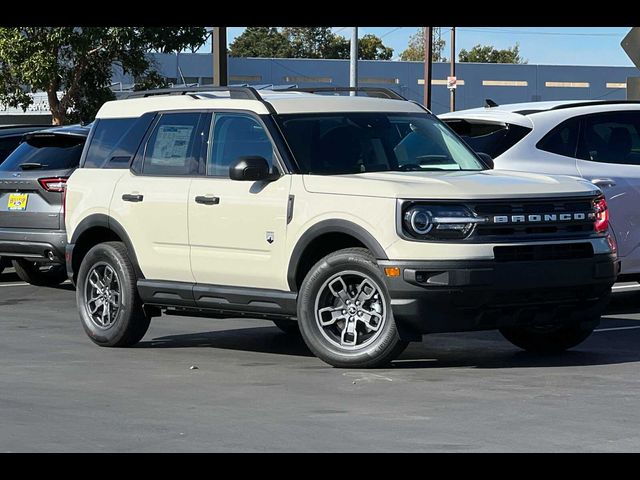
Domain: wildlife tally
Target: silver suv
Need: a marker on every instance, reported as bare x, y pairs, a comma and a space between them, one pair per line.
364, 221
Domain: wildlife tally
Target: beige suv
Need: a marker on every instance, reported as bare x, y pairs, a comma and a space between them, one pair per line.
361, 221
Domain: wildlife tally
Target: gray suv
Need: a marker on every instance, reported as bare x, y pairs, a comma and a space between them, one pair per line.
32, 184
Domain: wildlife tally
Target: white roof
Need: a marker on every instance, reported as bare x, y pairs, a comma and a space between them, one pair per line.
538, 112
282, 102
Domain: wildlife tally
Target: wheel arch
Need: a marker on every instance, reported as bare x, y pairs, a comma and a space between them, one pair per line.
323, 238
95, 229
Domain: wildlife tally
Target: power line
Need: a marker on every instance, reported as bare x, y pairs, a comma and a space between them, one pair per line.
533, 32
391, 31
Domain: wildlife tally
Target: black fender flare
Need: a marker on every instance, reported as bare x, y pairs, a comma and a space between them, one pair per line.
331, 226
105, 221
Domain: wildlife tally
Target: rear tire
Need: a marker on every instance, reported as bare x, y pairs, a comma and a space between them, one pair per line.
344, 312
110, 308
548, 339
290, 327
42, 275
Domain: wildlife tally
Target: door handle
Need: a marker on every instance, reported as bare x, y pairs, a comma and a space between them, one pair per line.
604, 182
129, 197
207, 200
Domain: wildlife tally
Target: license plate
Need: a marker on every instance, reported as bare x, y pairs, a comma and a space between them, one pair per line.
18, 201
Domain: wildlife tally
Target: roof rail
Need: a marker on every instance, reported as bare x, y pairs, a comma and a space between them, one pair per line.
595, 102
248, 93
371, 91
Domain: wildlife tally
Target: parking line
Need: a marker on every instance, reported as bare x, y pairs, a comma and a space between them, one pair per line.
625, 287
615, 328
13, 284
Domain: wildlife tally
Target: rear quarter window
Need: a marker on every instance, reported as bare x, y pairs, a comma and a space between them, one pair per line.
491, 138
50, 152
106, 135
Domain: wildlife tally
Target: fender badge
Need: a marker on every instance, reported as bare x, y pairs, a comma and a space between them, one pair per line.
270, 237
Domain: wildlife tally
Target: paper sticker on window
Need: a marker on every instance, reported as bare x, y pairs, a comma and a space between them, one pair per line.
172, 142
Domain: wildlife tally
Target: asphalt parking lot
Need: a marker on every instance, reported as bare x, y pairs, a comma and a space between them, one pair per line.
256, 389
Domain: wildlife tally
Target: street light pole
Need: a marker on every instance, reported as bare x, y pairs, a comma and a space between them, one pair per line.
353, 62
452, 102
428, 58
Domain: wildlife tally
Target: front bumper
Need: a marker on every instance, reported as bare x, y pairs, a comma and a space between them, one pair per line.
455, 296
33, 244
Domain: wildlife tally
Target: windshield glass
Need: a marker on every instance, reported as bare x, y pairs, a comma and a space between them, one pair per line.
358, 142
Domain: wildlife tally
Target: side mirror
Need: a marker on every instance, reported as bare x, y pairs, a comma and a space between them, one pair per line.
252, 168
486, 159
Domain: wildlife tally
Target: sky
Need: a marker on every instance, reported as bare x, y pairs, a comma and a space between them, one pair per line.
538, 45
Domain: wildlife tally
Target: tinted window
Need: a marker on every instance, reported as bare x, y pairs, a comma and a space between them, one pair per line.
563, 139
491, 138
172, 147
369, 142
51, 152
8, 145
235, 136
106, 135
611, 138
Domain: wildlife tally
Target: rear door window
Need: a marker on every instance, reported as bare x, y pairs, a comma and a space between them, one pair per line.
611, 138
491, 138
45, 152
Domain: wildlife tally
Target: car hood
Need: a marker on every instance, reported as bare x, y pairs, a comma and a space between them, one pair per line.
450, 185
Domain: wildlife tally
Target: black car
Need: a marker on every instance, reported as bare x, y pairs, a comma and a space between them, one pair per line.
32, 184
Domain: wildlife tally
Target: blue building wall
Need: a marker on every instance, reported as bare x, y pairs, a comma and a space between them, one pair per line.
581, 82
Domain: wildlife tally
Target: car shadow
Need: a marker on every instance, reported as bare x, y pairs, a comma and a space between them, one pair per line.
257, 339
465, 350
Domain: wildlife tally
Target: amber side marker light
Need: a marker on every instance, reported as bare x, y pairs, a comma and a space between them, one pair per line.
392, 271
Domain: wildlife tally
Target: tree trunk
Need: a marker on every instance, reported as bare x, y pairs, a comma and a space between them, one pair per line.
58, 113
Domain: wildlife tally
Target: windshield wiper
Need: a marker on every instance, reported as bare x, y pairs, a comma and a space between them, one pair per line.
31, 166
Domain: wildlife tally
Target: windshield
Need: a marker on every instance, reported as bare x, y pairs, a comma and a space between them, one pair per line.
358, 142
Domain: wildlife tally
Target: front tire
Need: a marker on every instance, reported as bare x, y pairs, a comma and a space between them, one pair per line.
39, 274
548, 339
110, 308
344, 312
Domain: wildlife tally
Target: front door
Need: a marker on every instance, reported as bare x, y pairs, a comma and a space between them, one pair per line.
609, 156
237, 228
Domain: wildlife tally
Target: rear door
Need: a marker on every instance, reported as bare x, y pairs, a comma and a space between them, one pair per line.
609, 156
151, 200
32, 181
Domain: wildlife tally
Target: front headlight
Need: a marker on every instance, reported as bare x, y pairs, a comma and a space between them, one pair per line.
438, 222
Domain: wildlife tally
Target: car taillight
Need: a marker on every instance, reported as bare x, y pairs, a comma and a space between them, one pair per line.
56, 184
602, 214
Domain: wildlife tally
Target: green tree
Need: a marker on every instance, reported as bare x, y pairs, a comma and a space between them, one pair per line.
78, 62
489, 54
260, 42
415, 50
370, 47
314, 42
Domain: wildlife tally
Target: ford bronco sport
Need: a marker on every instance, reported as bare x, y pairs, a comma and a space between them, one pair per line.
362, 220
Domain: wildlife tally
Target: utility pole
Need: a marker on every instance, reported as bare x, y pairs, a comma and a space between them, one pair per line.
353, 62
219, 54
452, 101
428, 58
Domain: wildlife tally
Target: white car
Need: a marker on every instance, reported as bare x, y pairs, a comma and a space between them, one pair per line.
595, 140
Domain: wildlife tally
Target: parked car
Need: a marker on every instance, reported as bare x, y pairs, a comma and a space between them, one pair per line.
32, 184
10, 138
596, 140
365, 220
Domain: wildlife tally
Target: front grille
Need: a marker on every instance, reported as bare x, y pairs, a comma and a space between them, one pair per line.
528, 253
490, 231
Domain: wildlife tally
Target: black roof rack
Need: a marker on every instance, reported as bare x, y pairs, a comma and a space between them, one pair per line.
248, 93
596, 102
370, 91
